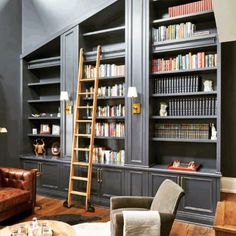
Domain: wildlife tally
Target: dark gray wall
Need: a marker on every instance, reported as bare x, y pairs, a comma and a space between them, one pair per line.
43, 18
10, 49
229, 109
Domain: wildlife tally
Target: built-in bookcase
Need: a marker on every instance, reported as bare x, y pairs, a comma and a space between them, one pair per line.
41, 98
110, 123
185, 55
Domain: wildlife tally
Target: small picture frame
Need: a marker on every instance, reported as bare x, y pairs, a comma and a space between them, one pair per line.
45, 129
56, 129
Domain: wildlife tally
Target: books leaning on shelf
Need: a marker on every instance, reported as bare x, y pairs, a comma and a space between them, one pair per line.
106, 70
182, 131
194, 7
104, 155
179, 84
111, 111
105, 129
109, 91
205, 106
185, 62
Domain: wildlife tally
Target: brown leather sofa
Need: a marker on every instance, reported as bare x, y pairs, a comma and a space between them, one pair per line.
17, 191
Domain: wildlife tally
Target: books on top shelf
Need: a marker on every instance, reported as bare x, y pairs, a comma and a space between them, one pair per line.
185, 62
180, 84
189, 8
205, 106
182, 131
105, 70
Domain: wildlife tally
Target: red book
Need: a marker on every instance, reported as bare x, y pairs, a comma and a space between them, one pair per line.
203, 59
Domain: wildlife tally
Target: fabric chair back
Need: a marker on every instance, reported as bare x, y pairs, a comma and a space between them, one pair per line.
167, 197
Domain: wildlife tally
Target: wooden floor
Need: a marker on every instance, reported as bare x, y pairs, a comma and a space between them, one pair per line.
52, 206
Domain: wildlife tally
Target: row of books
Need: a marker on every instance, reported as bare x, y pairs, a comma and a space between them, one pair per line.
180, 84
192, 107
108, 91
105, 70
185, 62
111, 111
105, 129
173, 32
106, 156
199, 6
182, 131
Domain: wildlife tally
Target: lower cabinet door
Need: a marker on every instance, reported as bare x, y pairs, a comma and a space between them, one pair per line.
111, 182
155, 180
64, 176
50, 177
28, 165
200, 194
136, 183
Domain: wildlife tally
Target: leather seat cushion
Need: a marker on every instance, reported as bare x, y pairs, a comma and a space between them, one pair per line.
117, 214
11, 197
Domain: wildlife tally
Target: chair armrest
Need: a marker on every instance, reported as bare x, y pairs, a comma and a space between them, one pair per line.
19, 178
130, 202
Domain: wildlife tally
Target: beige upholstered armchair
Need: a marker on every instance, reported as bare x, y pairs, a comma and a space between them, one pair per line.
165, 202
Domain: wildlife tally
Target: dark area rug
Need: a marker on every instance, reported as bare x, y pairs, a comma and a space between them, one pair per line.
71, 219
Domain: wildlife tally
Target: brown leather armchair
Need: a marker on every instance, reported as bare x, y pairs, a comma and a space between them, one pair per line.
17, 191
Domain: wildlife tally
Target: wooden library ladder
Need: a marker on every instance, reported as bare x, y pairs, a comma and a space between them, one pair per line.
79, 121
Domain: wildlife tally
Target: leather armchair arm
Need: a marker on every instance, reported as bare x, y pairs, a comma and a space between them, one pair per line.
130, 202
19, 178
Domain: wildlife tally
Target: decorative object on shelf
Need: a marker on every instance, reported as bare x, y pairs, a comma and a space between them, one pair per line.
163, 109
208, 85
56, 149
45, 129
132, 93
39, 147
177, 165
35, 115
213, 132
67, 101
3, 130
34, 131
56, 129
59, 112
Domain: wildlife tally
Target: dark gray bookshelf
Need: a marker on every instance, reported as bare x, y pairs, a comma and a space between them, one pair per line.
44, 63
45, 83
183, 117
44, 100
105, 31
44, 135
184, 94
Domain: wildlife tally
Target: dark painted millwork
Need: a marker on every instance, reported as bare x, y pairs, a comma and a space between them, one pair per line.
69, 76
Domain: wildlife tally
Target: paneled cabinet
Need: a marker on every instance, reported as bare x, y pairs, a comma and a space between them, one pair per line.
201, 194
107, 182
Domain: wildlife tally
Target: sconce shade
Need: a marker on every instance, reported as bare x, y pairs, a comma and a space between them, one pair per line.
132, 92
64, 96
3, 130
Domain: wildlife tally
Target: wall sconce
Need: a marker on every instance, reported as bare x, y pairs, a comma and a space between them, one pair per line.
3, 130
68, 103
132, 93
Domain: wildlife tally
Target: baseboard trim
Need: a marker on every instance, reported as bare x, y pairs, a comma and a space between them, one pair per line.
228, 185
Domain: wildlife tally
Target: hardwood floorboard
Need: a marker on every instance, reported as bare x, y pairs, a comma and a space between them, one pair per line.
53, 206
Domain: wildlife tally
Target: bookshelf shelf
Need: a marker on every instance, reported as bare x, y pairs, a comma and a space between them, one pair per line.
184, 140
44, 63
105, 31
44, 135
111, 118
183, 94
115, 138
201, 70
107, 98
44, 83
44, 118
44, 100
182, 117
201, 16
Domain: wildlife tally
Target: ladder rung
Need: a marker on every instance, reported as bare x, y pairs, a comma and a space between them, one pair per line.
80, 163
85, 107
86, 93
82, 149
83, 135
87, 80
79, 193
79, 178
84, 121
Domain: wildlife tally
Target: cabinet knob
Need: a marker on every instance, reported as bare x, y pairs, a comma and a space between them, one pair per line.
100, 175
